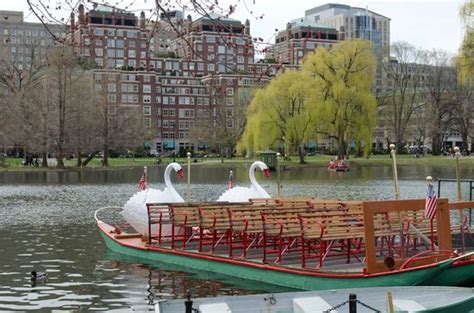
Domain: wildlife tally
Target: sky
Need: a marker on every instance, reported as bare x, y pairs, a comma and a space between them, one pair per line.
427, 24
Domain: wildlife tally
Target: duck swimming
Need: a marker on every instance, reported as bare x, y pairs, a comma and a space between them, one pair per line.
38, 277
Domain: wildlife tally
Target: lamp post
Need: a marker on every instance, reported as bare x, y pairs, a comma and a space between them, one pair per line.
189, 177
278, 173
457, 154
397, 197
395, 174
174, 141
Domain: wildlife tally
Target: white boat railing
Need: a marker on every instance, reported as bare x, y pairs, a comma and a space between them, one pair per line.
102, 209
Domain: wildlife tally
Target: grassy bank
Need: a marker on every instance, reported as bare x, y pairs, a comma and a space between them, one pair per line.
15, 164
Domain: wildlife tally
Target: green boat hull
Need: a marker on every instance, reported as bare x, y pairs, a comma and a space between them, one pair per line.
455, 275
271, 274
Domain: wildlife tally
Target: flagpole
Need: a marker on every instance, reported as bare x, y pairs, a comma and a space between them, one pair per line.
278, 173
145, 171
397, 197
188, 197
429, 181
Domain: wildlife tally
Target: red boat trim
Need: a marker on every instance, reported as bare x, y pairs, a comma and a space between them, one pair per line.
261, 266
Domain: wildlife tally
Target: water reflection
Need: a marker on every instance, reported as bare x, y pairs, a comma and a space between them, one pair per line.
210, 175
47, 225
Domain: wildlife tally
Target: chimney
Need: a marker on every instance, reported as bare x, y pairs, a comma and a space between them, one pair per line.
142, 20
73, 27
73, 22
288, 32
82, 16
247, 27
190, 23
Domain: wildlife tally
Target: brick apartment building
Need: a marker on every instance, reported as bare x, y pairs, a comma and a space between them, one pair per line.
300, 38
170, 92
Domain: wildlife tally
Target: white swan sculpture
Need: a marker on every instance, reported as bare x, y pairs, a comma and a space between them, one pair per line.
135, 211
242, 194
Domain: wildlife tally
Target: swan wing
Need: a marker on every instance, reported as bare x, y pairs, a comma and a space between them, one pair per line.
171, 196
135, 211
259, 192
236, 194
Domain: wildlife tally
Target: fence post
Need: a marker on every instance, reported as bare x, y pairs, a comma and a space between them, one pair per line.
188, 304
352, 303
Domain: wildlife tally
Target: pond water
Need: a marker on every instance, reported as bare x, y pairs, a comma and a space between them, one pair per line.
47, 225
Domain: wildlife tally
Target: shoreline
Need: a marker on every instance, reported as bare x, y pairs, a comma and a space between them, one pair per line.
311, 162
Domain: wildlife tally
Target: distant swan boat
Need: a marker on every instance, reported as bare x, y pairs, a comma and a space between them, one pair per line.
135, 211
242, 194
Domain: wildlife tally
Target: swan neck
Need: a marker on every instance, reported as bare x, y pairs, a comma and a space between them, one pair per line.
167, 175
253, 180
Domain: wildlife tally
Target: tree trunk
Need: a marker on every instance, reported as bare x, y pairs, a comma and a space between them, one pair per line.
62, 117
435, 146
89, 158
341, 149
464, 141
222, 155
301, 154
44, 161
79, 158
105, 159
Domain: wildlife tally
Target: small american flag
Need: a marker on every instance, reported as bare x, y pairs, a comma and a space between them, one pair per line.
230, 183
142, 182
430, 204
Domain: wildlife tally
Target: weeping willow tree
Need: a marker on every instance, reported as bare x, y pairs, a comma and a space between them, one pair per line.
342, 79
281, 113
467, 48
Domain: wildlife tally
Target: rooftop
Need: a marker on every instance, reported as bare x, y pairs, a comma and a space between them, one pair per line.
303, 22
345, 7
217, 17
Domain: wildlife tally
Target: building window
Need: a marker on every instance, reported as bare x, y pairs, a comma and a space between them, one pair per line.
146, 99
147, 122
147, 88
146, 110
111, 98
111, 87
110, 43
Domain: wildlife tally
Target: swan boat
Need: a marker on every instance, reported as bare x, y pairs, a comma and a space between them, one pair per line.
307, 244
135, 210
240, 194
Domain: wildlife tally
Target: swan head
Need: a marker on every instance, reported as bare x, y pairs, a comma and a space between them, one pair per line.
177, 168
266, 172
263, 167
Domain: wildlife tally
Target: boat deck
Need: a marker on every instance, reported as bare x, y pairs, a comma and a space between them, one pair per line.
333, 264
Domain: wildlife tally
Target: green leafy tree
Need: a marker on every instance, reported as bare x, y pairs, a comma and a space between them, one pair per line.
467, 48
342, 79
281, 113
